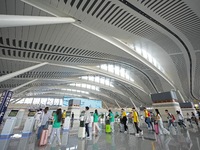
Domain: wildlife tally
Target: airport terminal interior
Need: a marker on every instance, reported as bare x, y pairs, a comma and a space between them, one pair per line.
100, 75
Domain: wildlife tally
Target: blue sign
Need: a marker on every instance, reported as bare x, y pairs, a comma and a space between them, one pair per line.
84, 102
5, 100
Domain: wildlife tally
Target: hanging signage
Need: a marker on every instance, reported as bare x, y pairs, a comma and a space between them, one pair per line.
5, 100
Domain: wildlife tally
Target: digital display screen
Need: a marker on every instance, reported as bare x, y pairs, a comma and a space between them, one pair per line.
82, 102
31, 113
13, 113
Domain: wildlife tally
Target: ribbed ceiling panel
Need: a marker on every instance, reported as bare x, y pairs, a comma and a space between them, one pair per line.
179, 14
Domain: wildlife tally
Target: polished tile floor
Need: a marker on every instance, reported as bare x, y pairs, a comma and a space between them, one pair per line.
178, 140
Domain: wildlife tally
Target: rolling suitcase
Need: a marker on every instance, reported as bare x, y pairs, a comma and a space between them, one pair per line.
108, 127
156, 128
44, 137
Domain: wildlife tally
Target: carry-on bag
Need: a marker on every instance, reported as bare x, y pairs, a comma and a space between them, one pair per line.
44, 137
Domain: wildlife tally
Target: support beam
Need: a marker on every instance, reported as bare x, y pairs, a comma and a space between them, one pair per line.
22, 92
117, 104
16, 20
20, 86
16, 73
105, 104
14, 102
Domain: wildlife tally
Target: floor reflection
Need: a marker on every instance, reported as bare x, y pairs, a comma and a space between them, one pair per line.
182, 140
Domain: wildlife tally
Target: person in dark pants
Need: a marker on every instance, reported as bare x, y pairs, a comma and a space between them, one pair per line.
72, 119
136, 121
87, 119
124, 120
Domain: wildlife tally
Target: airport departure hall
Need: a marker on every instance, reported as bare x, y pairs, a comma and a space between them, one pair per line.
100, 74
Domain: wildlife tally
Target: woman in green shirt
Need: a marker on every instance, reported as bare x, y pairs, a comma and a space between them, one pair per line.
96, 120
56, 126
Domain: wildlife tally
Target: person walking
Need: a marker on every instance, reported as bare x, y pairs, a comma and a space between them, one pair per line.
180, 119
147, 116
87, 119
194, 118
45, 116
161, 128
171, 119
112, 120
96, 128
136, 122
124, 120
56, 126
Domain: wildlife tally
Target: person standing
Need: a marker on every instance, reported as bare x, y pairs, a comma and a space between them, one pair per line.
170, 118
72, 116
162, 130
45, 116
96, 121
87, 119
56, 126
72, 119
136, 122
124, 120
112, 120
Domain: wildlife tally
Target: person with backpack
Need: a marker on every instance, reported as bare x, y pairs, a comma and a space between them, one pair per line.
56, 126
171, 119
180, 119
161, 129
136, 122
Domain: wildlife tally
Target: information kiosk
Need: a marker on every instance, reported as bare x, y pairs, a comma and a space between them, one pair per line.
10, 123
66, 124
28, 126
19, 116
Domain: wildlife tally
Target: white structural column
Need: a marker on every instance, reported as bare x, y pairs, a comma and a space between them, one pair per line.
20, 86
16, 20
16, 73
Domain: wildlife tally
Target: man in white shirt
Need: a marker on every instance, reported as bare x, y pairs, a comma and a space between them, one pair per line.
87, 119
45, 116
